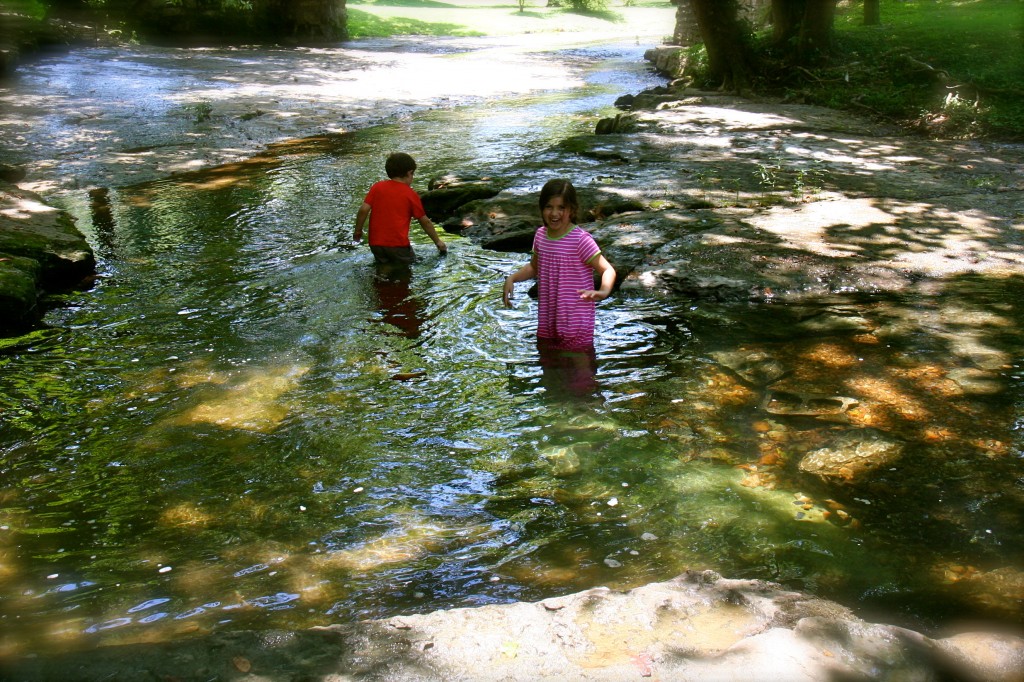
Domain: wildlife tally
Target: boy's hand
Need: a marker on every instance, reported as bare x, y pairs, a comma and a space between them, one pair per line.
442, 248
357, 236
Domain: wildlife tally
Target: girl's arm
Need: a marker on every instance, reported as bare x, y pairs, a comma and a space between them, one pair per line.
607, 273
528, 271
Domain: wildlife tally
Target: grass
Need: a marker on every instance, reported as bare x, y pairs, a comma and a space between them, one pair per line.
367, 24
951, 68
381, 18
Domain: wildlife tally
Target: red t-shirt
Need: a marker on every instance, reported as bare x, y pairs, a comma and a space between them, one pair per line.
392, 205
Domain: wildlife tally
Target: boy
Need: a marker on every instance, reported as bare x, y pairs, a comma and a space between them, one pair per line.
391, 204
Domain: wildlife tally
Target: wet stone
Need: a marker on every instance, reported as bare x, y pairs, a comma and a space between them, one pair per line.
851, 455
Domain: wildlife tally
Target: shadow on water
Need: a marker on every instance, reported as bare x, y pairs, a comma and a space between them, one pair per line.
243, 428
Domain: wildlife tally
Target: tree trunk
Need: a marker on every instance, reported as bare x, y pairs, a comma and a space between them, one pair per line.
816, 36
304, 21
872, 12
803, 28
726, 41
686, 32
787, 15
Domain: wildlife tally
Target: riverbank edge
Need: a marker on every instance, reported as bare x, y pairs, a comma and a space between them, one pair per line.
41, 252
696, 626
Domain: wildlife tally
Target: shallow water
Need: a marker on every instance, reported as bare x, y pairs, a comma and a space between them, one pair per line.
240, 427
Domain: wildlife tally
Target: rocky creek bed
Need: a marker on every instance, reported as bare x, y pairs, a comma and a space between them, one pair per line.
710, 197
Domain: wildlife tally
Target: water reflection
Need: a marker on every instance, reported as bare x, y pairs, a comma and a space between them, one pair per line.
396, 302
568, 373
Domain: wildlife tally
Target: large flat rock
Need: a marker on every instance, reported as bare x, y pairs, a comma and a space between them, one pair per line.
697, 627
40, 250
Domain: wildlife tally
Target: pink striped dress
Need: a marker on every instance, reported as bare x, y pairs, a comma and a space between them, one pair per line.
562, 272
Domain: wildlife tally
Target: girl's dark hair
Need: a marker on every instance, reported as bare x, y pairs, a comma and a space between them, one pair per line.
398, 164
563, 189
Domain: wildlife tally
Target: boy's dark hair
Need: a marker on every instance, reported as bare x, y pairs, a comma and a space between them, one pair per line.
398, 164
563, 189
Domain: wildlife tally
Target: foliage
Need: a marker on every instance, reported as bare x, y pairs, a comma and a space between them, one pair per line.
590, 6
28, 8
200, 112
908, 70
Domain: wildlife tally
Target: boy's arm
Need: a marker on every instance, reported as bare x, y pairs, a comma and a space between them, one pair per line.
528, 271
607, 272
361, 215
428, 227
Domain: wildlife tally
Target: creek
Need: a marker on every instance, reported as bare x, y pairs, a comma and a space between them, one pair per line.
242, 426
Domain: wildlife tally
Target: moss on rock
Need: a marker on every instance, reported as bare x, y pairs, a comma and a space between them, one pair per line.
40, 250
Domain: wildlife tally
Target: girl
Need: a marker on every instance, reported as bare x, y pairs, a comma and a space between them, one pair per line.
564, 261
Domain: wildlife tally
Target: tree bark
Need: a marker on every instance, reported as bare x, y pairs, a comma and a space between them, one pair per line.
816, 36
803, 28
787, 16
726, 41
304, 21
872, 12
686, 32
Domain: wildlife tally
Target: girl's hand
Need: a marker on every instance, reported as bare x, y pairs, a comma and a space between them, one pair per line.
591, 295
506, 294
524, 273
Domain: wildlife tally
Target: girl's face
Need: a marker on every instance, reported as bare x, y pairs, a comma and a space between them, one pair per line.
556, 214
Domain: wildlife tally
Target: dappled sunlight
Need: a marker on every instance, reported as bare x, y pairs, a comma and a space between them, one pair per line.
894, 234
17, 207
728, 119
832, 355
888, 397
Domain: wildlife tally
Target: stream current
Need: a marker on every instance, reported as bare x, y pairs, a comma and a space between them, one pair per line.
243, 427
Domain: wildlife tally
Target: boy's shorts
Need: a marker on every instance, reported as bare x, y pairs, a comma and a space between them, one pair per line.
393, 254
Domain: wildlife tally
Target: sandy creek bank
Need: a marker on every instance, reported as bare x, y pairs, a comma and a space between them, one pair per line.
699, 195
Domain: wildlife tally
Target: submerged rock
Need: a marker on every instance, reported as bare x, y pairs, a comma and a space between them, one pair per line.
753, 366
564, 461
851, 455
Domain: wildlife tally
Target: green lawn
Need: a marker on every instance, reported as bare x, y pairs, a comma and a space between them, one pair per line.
644, 19
955, 67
